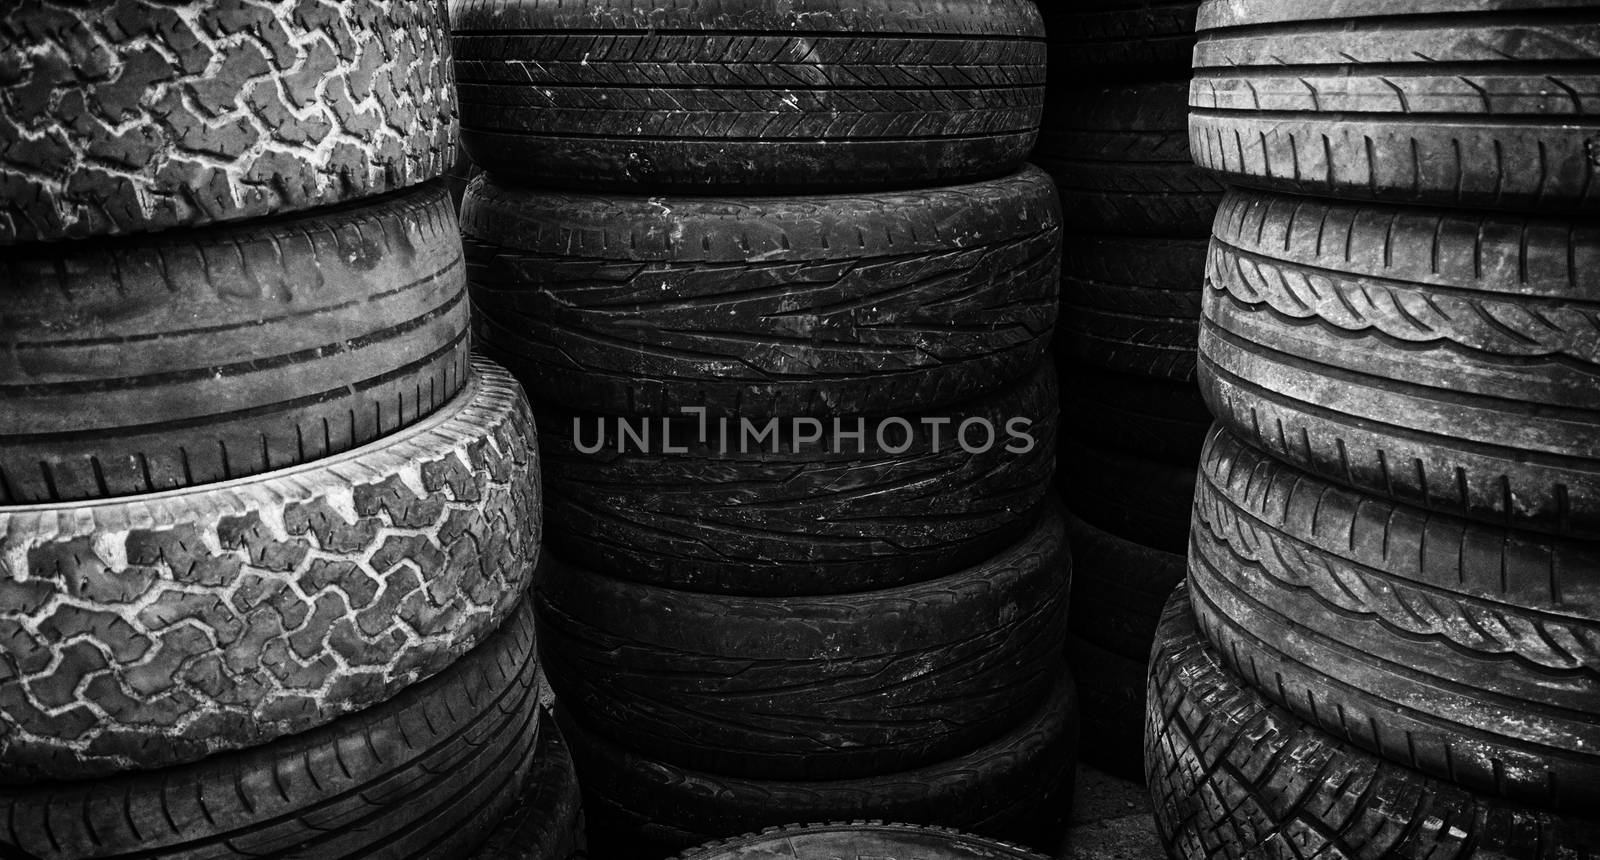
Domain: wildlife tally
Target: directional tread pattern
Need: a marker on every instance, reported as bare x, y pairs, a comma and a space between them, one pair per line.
819, 687
150, 115
740, 94
1342, 338
1477, 649
1403, 108
1235, 776
150, 632
1132, 305
812, 305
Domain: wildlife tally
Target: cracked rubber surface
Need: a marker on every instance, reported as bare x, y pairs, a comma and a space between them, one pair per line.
811, 305
858, 839
153, 631
546, 821
416, 776
1441, 358
1458, 103
1234, 776
1133, 38
818, 94
147, 115
1132, 305
1017, 788
821, 687
196, 356
1154, 418
1120, 156
1466, 651
814, 517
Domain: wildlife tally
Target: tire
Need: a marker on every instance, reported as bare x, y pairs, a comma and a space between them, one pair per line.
1152, 418
1017, 788
546, 821
1468, 652
725, 94
858, 839
153, 631
812, 688
1234, 776
1119, 589
1120, 156
1136, 499
137, 366
1110, 707
156, 115
856, 305
1340, 338
1140, 38
416, 776
826, 517
1453, 103
1132, 305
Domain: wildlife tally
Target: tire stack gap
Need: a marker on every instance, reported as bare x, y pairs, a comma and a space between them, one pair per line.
265, 525
1389, 641
781, 289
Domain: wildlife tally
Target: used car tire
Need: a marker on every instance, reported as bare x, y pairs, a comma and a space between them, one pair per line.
1130, 37
1154, 418
1132, 305
1119, 589
546, 821
1134, 498
858, 839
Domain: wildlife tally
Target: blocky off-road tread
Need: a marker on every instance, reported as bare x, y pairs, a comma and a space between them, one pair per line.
1452, 103
822, 687
1132, 38
1475, 649
1440, 358
1119, 588
1135, 498
141, 365
546, 821
811, 305
151, 115
1234, 776
1120, 157
1017, 788
744, 94
1111, 706
416, 776
1153, 418
159, 629
857, 839
1132, 305
836, 516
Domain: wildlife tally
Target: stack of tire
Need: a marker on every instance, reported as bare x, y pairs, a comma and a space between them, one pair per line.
264, 525
1390, 640
1137, 214
781, 290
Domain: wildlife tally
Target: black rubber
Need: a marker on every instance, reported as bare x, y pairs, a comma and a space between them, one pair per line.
416, 776
1130, 39
1110, 707
144, 632
1132, 305
148, 114
815, 517
706, 94
1153, 418
546, 821
1448, 102
1234, 776
139, 365
866, 304
1446, 359
1466, 651
1017, 789
823, 687
1120, 156
1119, 588
1137, 499
858, 839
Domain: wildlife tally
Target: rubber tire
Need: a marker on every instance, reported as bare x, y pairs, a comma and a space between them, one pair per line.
1137, 499
826, 517
152, 115
1152, 418
1448, 102
1341, 338
1234, 776
415, 776
154, 631
1017, 789
1468, 652
825, 687
1110, 707
546, 821
858, 839
1121, 38
1120, 156
1119, 589
1132, 305
723, 94
192, 357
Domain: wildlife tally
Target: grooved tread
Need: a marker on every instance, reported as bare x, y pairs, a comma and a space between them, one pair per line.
1132, 305
1145, 38
546, 821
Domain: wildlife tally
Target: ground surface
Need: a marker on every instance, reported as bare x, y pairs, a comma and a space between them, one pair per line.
1110, 820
